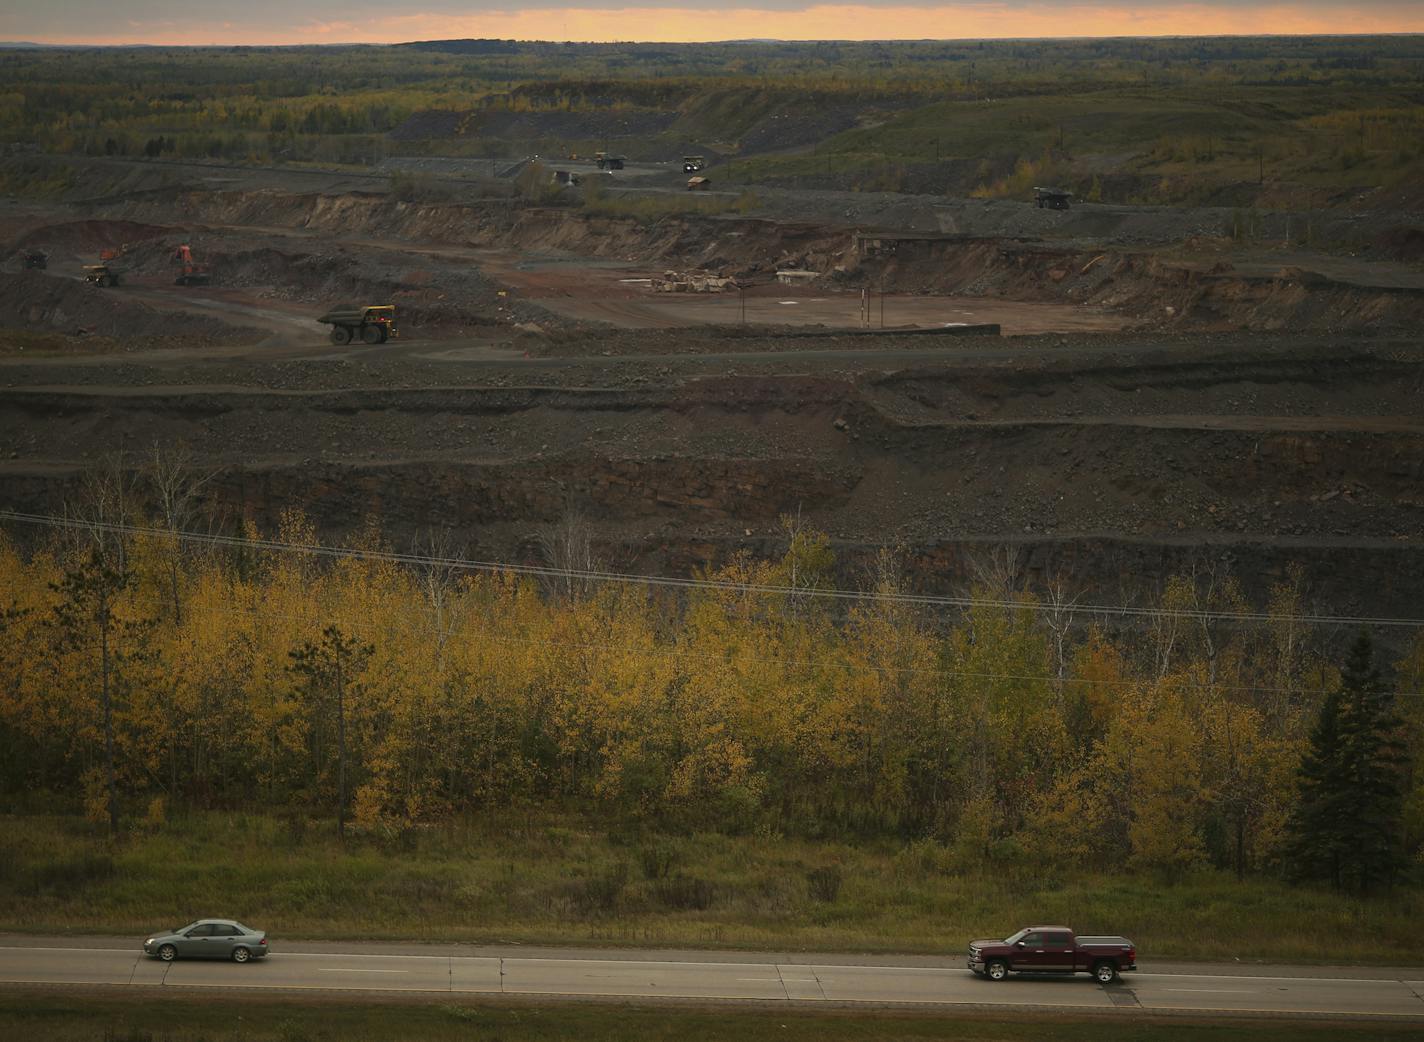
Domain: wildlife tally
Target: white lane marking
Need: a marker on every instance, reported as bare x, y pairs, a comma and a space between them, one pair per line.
343, 955
1252, 976
1217, 991
641, 962
38, 948
740, 979
870, 967
1006, 1001
352, 969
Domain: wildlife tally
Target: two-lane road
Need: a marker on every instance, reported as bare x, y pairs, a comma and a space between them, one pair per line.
706, 977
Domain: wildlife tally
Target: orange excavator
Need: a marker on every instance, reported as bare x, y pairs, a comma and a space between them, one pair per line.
193, 274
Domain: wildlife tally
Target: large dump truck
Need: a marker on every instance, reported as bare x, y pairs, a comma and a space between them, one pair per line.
607, 161
105, 273
101, 275
371, 324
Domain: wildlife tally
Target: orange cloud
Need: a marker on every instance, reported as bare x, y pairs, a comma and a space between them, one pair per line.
827, 21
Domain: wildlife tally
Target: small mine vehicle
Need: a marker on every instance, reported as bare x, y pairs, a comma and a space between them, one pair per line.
372, 324
692, 164
38, 259
100, 275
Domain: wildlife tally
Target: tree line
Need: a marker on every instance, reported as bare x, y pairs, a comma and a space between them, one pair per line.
139, 672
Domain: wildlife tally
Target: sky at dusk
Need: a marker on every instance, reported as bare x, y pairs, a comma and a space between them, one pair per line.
394, 21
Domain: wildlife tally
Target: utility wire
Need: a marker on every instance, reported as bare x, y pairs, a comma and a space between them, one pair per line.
721, 585
366, 627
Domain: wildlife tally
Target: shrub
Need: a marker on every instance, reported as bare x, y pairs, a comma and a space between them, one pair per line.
657, 859
73, 873
685, 893
824, 883
157, 815
599, 894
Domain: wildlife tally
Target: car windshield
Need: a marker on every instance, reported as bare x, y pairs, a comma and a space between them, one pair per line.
1015, 938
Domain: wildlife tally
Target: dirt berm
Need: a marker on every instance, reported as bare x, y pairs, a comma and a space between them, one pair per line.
1152, 291
1115, 462
35, 301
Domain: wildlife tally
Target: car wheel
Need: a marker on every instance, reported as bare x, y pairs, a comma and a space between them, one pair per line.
996, 969
241, 954
1105, 972
167, 952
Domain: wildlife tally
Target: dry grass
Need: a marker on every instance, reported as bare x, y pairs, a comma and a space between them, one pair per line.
541, 878
66, 1017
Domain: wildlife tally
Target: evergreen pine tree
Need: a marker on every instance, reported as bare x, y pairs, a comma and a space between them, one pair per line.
1373, 760
1316, 841
1346, 824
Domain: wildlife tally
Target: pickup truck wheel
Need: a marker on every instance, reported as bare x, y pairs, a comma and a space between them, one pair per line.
996, 969
1105, 972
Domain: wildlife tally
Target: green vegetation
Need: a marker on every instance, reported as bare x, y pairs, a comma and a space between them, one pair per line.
36, 179
46, 1017
1344, 825
748, 764
1152, 144
526, 875
1129, 120
652, 207
1015, 733
140, 679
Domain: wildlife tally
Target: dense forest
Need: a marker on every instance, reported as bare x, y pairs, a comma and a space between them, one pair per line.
143, 671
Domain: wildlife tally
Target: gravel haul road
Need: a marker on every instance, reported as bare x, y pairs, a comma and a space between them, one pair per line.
716, 977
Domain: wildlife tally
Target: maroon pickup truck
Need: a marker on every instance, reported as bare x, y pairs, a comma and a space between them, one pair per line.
1053, 949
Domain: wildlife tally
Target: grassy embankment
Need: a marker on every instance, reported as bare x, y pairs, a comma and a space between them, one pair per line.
1133, 144
48, 1017
537, 879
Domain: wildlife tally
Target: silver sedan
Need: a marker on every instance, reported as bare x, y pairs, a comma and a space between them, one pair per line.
208, 939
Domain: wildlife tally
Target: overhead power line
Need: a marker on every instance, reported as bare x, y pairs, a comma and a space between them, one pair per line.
720, 585
366, 627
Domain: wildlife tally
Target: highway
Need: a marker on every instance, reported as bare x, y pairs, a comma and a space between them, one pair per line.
801, 980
